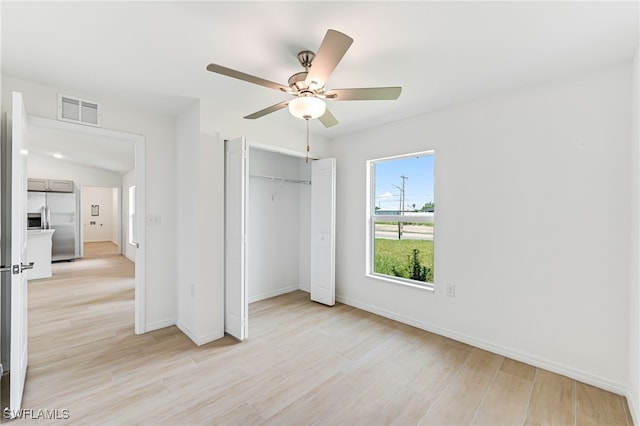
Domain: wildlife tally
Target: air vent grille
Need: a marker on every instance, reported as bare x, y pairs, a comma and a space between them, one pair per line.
78, 110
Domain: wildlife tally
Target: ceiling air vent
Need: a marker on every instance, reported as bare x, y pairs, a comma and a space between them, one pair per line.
78, 110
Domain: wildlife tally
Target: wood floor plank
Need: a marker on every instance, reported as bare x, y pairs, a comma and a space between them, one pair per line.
552, 401
304, 363
509, 392
458, 402
598, 407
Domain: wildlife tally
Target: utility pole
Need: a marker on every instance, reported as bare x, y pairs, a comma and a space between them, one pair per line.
402, 199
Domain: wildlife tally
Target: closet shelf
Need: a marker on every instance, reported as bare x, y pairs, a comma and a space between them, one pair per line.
281, 179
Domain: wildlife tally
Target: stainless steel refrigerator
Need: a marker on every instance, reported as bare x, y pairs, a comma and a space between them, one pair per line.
58, 210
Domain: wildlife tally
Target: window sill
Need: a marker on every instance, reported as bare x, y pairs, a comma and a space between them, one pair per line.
430, 287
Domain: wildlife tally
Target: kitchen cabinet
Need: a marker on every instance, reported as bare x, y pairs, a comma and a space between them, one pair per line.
50, 185
39, 252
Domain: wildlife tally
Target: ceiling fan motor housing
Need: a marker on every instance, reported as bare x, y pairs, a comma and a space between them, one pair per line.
297, 81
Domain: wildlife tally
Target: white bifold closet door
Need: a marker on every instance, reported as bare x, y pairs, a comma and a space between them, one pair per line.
235, 196
323, 230
322, 262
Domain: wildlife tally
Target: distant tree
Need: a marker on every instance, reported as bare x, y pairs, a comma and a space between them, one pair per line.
427, 207
377, 208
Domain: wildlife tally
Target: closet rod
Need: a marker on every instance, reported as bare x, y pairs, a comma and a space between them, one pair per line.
279, 179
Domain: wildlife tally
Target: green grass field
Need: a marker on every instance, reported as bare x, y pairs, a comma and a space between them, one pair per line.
390, 253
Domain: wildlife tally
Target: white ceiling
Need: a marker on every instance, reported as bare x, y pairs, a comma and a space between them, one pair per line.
81, 147
154, 55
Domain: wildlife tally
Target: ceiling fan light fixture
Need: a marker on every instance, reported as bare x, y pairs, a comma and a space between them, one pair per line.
307, 107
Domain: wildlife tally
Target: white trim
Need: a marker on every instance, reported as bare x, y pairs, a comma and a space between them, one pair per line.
157, 325
633, 409
273, 293
579, 375
279, 150
198, 340
141, 235
431, 287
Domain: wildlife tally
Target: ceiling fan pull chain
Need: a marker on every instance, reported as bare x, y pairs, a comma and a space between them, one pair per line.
307, 159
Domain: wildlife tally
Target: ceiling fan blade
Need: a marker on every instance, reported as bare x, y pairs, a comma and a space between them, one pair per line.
365, 94
327, 119
268, 110
331, 51
219, 69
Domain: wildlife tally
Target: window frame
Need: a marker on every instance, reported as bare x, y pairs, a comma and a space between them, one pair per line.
372, 217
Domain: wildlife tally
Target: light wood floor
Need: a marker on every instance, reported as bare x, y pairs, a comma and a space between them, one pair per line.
304, 363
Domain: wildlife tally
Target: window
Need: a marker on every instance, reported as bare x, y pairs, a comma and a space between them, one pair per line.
401, 218
132, 215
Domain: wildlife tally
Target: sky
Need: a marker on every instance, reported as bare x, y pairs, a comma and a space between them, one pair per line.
418, 186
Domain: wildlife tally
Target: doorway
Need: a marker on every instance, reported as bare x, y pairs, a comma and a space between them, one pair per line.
279, 228
101, 214
80, 146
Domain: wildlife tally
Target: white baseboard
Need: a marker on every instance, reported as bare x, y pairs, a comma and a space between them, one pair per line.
157, 325
273, 293
198, 340
633, 408
581, 376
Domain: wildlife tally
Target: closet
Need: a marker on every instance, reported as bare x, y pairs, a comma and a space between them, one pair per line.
279, 228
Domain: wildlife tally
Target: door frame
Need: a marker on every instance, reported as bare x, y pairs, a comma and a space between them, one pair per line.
139, 141
248, 145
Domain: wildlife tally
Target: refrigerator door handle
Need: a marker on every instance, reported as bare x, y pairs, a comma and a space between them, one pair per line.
48, 218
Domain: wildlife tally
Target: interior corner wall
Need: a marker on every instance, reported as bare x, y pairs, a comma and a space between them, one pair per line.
200, 285
531, 226
633, 396
188, 255
159, 133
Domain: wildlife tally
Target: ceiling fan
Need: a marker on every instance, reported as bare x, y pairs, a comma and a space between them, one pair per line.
308, 86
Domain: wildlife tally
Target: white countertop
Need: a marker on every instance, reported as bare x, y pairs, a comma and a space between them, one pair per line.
40, 231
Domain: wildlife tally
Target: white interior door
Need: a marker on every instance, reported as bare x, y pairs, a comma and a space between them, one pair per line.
323, 229
17, 206
236, 306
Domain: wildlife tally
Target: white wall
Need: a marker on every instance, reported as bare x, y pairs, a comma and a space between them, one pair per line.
98, 228
201, 130
229, 124
159, 134
128, 180
634, 292
40, 166
200, 287
532, 227
275, 254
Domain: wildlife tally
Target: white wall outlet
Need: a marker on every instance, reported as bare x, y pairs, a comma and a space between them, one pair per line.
154, 219
451, 290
